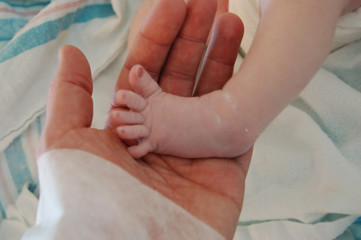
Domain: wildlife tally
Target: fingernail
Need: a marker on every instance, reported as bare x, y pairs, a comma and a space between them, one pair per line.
140, 72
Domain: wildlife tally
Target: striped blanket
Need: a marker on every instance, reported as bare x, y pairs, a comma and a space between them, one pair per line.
304, 178
31, 33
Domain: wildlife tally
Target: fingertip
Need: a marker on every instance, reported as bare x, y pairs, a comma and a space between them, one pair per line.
231, 21
222, 7
226, 38
69, 57
67, 49
71, 52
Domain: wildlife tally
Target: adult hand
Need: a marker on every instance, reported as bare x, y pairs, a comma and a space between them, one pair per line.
352, 5
210, 189
146, 5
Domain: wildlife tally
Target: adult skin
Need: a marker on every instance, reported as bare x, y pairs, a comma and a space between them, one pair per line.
146, 5
210, 189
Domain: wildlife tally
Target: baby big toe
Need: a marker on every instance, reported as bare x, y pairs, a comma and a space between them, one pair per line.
143, 83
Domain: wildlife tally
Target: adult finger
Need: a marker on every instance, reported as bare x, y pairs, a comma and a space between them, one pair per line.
221, 53
154, 39
222, 7
70, 105
182, 65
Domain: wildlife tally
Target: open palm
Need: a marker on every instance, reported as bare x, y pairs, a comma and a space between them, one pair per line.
170, 47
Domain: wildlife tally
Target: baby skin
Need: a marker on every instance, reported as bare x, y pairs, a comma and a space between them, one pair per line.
284, 56
207, 126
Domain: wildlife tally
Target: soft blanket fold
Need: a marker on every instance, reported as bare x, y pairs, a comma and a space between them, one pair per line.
307, 164
29, 47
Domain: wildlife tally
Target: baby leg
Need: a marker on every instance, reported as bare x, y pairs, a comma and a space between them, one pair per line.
207, 126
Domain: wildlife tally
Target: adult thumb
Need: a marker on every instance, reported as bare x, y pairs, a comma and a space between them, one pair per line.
70, 104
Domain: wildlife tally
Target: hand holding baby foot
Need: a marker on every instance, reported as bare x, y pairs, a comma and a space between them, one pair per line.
179, 126
136, 123
186, 182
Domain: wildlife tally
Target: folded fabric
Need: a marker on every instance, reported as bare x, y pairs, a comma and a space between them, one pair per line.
20, 216
18, 165
285, 229
36, 29
28, 55
102, 201
348, 29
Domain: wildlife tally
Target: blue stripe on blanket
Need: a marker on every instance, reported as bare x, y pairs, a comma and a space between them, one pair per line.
2, 212
28, 3
39, 124
9, 27
50, 30
17, 164
355, 229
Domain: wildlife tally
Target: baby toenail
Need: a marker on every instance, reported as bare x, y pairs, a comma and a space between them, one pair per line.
140, 72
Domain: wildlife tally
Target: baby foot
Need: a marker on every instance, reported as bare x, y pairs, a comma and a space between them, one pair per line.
136, 123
